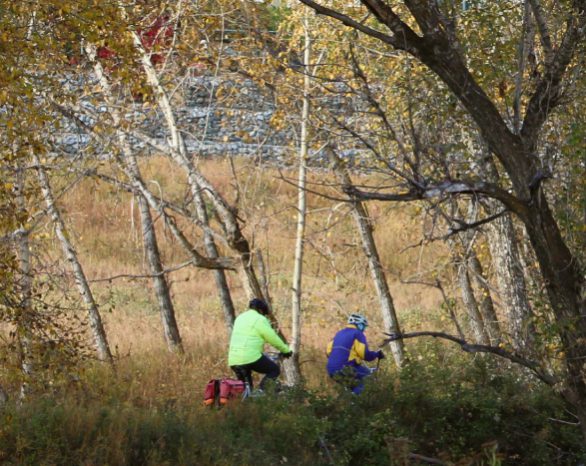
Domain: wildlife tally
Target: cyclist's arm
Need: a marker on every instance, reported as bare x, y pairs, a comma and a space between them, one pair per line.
361, 348
270, 336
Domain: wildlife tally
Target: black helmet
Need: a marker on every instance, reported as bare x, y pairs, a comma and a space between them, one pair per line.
259, 305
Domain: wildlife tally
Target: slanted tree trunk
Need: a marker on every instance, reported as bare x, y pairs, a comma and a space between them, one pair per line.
470, 304
197, 182
95, 320
364, 226
179, 153
130, 166
483, 300
166, 308
486, 304
462, 250
219, 274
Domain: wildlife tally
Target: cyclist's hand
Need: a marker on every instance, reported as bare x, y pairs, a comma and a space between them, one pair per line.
287, 355
381, 355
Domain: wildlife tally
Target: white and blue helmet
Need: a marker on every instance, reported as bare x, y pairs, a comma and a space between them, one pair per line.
358, 319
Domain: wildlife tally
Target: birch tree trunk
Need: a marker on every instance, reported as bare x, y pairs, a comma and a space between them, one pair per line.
483, 302
180, 155
197, 182
166, 308
470, 304
219, 275
293, 373
130, 167
486, 305
25, 318
363, 223
95, 320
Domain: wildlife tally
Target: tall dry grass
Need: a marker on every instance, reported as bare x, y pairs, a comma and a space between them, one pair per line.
336, 279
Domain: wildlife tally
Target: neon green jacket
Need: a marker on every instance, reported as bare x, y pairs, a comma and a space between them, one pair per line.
251, 331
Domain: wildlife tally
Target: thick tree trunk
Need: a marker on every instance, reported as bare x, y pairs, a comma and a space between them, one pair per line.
566, 287
511, 281
510, 278
151, 247
98, 331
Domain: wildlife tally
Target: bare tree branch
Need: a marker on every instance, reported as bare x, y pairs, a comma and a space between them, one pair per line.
475, 348
150, 275
468, 226
446, 188
346, 20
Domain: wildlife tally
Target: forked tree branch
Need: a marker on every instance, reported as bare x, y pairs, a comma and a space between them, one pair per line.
352, 23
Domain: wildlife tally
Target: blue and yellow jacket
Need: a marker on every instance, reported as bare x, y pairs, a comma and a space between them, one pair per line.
348, 348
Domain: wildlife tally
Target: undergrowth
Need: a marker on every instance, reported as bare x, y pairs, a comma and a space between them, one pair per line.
443, 405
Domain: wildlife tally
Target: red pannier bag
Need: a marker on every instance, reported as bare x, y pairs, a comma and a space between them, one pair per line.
230, 389
211, 392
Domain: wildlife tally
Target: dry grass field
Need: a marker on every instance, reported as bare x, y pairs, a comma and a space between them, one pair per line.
105, 224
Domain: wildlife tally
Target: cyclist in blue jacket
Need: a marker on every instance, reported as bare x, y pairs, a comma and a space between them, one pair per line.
347, 351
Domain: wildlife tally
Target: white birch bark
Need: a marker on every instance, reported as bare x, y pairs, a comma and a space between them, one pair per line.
486, 304
95, 320
482, 297
24, 322
182, 158
510, 281
293, 373
131, 168
471, 306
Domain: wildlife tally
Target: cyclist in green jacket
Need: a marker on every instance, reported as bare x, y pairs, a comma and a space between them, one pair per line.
251, 331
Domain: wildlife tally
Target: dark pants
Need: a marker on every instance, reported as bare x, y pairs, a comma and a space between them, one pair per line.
263, 365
